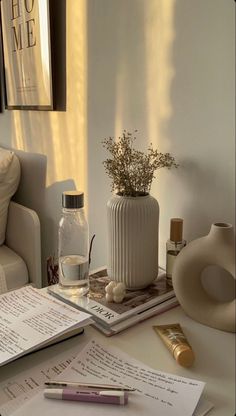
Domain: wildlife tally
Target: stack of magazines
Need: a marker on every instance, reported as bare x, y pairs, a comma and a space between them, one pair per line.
111, 318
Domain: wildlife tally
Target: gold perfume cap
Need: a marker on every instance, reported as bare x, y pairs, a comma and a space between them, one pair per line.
176, 229
184, 355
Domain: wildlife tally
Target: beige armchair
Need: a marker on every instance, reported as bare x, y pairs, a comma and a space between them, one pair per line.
20, 242
20, 255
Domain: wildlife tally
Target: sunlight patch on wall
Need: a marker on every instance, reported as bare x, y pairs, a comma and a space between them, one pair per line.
120, 82
62, 136
69, 130
160, 72
145, 68
18, 139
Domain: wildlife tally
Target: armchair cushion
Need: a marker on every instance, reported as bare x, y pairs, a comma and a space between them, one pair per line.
13, 270
9, 181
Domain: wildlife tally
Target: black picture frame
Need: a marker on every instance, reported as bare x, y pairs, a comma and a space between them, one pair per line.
27, 59
2, 81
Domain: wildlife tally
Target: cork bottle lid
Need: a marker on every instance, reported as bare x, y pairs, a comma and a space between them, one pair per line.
176, 229
184, 355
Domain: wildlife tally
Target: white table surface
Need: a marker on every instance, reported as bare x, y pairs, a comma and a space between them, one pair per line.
214, 351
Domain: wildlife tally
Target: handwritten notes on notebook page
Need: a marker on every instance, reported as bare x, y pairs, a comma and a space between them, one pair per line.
30, 319
17, 390
156, 392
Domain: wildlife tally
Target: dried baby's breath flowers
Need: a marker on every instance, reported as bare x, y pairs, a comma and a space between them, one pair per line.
132, 171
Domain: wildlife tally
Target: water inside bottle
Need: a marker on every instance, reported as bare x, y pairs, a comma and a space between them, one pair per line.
74, 274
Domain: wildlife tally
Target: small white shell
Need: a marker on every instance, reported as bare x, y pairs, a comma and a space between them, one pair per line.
118, 299
109, 288
109, 297
119, 289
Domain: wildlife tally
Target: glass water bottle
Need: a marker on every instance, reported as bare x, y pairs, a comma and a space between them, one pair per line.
73, 245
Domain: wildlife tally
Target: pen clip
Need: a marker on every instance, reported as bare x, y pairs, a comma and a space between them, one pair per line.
78, 385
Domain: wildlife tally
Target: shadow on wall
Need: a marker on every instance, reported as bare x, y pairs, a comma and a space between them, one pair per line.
199, 129
46, 201
53, 144
201, 126
58, 42
202, 119
166, 69
117, 88
128, 79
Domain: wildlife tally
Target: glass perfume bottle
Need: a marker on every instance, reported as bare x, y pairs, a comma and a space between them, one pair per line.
173, 246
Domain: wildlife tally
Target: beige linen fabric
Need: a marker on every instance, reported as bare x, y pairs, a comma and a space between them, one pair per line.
9, 181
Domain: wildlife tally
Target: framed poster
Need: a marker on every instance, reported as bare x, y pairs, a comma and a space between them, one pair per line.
2, 86
27, 54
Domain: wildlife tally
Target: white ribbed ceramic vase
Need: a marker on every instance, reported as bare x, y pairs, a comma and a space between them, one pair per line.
215, 249
133, 240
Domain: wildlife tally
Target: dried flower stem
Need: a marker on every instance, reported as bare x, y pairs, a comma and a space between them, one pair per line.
132, 171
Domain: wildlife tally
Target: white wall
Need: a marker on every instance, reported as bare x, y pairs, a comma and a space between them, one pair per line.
164, 67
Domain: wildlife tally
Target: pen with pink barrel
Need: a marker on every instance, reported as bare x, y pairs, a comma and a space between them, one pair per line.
92, 396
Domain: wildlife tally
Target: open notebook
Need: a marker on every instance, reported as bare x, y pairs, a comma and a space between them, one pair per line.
31, 319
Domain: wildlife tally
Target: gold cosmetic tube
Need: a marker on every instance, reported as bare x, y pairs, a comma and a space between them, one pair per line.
173, 337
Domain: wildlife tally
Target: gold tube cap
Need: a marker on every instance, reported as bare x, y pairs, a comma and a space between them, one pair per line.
184, 355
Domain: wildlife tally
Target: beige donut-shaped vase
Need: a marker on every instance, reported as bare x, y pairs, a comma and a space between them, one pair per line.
218, 249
